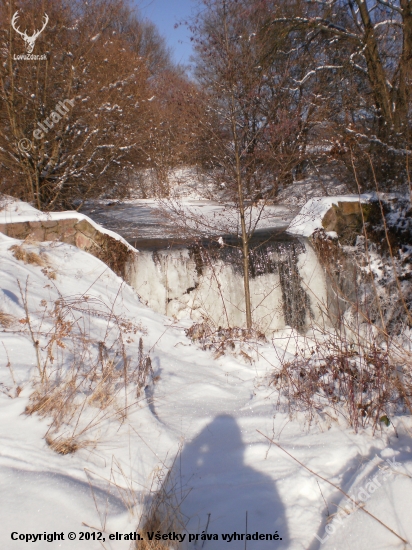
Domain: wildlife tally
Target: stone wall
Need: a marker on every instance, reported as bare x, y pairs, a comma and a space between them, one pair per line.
77, 232
346, 219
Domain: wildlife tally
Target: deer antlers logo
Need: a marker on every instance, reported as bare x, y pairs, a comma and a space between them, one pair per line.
29, 40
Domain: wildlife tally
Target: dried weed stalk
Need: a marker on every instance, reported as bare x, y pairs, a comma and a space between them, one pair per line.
361, 368
238, 341
23, 254
6, 320
83, 382
162, 512
358, 382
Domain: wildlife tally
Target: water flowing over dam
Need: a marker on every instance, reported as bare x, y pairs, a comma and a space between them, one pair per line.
287, 284
203, 281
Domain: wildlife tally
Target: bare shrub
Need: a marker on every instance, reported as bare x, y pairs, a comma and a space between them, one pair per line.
362, 367
219, 340
360, 384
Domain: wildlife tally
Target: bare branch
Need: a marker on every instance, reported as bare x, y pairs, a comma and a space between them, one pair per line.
390, 5
314, 71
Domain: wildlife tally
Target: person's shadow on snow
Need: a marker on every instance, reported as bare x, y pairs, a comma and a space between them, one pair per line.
211, 477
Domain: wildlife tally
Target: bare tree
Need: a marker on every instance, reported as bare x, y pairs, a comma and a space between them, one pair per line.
360, 53
251, 128
74, 121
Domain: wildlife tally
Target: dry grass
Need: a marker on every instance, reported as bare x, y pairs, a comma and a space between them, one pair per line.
21, 253
65, 446
7, 320
162, 512
238, 341
161, 505
153, 524
361, 368
83, 382
359, 383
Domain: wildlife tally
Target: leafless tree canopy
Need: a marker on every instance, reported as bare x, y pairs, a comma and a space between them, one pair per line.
353, 60
307, 83
101, 62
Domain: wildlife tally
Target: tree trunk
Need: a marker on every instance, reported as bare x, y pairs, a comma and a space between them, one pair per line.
376, 72
401, 98
245, 236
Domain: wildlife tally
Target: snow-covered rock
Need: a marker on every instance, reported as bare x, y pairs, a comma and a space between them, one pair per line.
313, 214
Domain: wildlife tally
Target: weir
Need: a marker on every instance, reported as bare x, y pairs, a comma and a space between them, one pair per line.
203, 280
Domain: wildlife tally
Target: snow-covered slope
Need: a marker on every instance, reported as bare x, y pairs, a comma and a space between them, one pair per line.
200, 419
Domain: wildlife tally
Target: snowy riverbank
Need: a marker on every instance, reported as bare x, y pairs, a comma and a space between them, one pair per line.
201, 418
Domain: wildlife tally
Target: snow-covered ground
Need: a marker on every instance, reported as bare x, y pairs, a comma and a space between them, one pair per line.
201, 419
189, 183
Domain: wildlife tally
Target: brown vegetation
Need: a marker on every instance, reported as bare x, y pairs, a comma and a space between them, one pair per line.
359, 364
21, 253
99, 61
82, 383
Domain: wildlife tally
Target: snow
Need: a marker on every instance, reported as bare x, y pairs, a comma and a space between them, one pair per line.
200, 419
311, 215
150, 219
14, 211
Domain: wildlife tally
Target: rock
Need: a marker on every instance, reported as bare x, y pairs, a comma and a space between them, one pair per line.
49, 223
346, 219
37, 233
83, 242
86, 228
18, 230
78, 233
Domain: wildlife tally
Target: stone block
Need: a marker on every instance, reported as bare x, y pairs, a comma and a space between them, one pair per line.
330, 219
51, 237
100, 238
345, 219
37, 233
70, 239
49, 223
3, 228
67, 232
51, 230
348, 208
83, 242
67, 223
18, 230
86, 228
35, 224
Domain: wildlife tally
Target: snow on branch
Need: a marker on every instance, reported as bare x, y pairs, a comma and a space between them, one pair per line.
354, 64
390, 5
374, 139
321, 2
388, 22
321, 23
314, 71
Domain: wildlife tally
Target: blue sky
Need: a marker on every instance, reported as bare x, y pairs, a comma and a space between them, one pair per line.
165, 14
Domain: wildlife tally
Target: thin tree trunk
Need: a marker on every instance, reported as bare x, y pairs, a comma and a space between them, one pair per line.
376, 71
405, 63
245, 236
